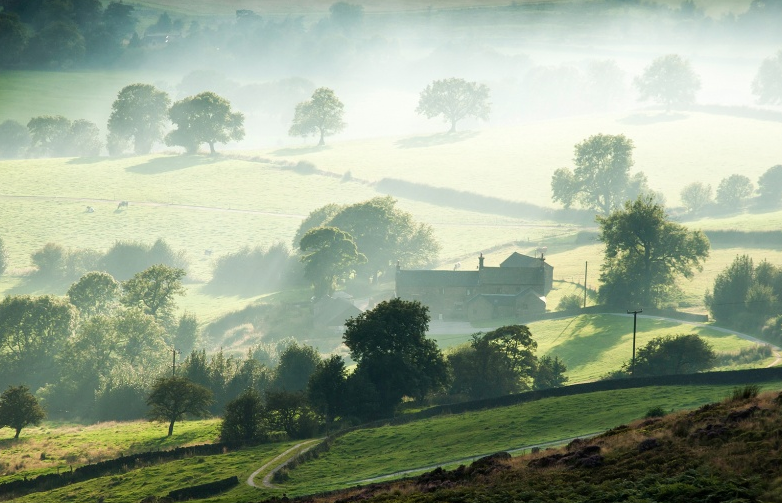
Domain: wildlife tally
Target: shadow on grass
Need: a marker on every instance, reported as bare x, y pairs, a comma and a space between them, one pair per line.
435, 139
166, 164
300, 150
643, 119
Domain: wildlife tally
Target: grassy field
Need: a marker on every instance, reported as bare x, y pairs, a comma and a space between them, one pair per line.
52, 447
380, 451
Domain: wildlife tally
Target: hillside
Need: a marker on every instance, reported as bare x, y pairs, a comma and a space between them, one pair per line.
724, 451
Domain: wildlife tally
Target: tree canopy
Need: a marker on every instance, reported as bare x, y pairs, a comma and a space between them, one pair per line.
673, 354
645, 253
392, 352
670, 81
204, 118
139, 113
94, 293
770, 186
173, 398
454, 99
734, 191
19, 408
696, 197
767, 85
601, 180
330, 256
14, 138
154, 290
322, 114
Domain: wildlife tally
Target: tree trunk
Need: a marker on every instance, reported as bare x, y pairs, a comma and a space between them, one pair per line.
18, 430
171, 427
212, 147
322, 141
453, 127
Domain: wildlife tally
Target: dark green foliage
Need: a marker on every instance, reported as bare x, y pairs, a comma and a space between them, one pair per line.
201, 491
645, 253
154, 290
745, 295
673, 354
95, 293
139, 113
120, 402
572, 302
19, 408
252, 271
289, 412
656, 411
330, 257
326, 388
390, 347
173, 398
126, 258
296, 365
550, 373
244, 420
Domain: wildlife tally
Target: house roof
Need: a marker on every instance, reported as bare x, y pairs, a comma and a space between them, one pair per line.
516, 259
412, 278
510, 276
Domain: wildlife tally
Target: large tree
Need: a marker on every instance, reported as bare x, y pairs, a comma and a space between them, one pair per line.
734, 191
13, 39
770, 186
386, 235
204, 118
173, 398
95, 293
154, 290
139, 113
645, 253
454, 99
696, 196
330, 256
244, 419
322, 114
33, 330
392, 352
670, 81
49, 135
297, 363
19, 408
767, 85
327, 387
601, 180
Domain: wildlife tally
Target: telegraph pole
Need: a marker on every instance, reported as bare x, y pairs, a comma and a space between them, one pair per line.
635, 320
586, 267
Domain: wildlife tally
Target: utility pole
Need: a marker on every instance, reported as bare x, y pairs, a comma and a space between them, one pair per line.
635, 321
173, 364
586, 267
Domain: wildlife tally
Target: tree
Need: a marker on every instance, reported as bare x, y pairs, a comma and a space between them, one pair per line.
386, 235
243, 421
322, 114
204, 118
454, 99
392, 352
139, 112
59, 44
770, 186
601, 179
497, 363
288, 411
696, 196
550, 373
154, 290
83, 139
733, 191
297, 363
173, 398
673, 354
767, 85
95, 293
329, 256
327, 386
13, 39
670, 81
14, 138
33, 330
49, 135
346, 15
19, 408
317, 218
730, 289
645, 252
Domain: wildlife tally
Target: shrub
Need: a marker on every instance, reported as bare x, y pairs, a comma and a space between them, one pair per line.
572, 302
746, 393
656, 411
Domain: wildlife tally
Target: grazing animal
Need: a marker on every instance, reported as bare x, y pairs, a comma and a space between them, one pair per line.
90, 209
122, 204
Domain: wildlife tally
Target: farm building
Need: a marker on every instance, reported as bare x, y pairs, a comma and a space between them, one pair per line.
515, 289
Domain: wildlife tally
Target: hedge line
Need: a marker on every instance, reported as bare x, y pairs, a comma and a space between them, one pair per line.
50, 481
204, 490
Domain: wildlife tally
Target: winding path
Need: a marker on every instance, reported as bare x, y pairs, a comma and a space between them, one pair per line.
281, 461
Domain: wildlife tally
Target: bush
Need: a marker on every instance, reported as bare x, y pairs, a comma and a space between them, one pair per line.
572, 302
656, 411
254, 270
746, 393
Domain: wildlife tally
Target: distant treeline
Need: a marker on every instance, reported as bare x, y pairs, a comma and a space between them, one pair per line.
745, 239
471, 201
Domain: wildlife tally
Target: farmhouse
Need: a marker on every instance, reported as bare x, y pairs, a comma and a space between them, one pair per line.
515, 289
